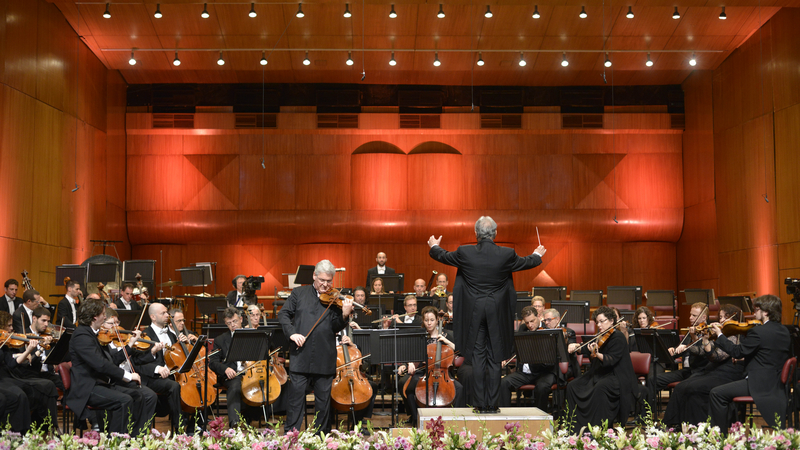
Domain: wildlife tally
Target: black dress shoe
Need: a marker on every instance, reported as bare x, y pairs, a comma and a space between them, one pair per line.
492, 410
478, 409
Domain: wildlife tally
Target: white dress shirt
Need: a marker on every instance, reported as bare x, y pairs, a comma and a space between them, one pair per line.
11, 305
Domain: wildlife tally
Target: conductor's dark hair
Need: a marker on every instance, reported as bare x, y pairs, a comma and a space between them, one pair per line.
90, 308
236, 278
230, 312
771, 305
11, 281
607, 312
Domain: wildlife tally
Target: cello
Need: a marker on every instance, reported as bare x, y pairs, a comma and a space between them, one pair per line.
351, 391
193, 383
436, 388
260, 386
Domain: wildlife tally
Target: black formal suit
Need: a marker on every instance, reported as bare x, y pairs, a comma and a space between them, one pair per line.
33, 369
19, 326
65, 312
234, 385
97, 380
4, 303
765, 349
41, 394
134, 305
484, 313
315, 362
14, 408
372, 273
168, 388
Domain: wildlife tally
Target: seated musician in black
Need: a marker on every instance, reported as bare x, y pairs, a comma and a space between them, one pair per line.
605, 390
97, 380
15, 409
543, 375
689, 401
229, 374
765, 349
430, 321
693, 361
180, 321
35, 368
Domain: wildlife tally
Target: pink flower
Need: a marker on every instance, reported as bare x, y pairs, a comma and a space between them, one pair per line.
539, 445
652, 441
333, 445
572, 440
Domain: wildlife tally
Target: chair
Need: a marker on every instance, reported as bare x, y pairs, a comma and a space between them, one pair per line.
578, 328
641, 367
787, 375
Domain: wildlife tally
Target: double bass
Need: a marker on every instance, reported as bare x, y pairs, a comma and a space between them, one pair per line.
193, 383
436, 388
351, 390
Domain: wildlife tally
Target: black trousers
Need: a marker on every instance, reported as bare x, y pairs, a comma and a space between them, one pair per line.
233, 398
169, 398
544, 381
486, 371
14, 408
122, 402
410, 398
296, 396
42, 397
721, 398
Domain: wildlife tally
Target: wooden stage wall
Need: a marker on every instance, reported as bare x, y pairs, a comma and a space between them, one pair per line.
49, 81
740, 146
201, 195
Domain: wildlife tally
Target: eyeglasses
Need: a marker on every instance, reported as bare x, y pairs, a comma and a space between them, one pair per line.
323, 282
601, 321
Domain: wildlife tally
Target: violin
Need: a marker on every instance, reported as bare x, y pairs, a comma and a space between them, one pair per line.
351, 390
601, 340
335, 297
120, 337
436, 388
193, 382
15, 340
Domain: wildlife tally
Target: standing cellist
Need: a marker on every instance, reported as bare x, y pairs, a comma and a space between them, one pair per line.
312, 327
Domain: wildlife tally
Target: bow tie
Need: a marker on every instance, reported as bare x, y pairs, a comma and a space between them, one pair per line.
163, 331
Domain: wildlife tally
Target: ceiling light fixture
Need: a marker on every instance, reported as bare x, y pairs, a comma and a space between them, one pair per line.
205, 14
608, 61
349, 61
441, 12
264, 57
693, 61
536, 14
300, 14
176, 62
221, 60
630, 13
347, 13
306, 61
649, 62
522, 62
392, 61
676, 15
436, 61
480, 60
583, 14
132, 61
488, 14
564, 62
722, 15
107, 13
158, 14
252, 10
392, 14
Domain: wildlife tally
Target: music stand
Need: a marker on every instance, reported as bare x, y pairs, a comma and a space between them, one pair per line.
57, 354
207, 306
698, 296
401, 346
422, 302
595, 298
661, 298
363, 340
385, 301
131, 318
628, 316
248, 344
740, 301
624, 295
649, 340
75, 272
578, 311
541, 347
102, 272
213, 331
551, 293
304, 274
393, 283
365, 321
144, 267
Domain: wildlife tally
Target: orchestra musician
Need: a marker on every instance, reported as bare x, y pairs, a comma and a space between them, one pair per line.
765, 348
35, 368
231, 372
253, 316
98, 381
430, 322
606, 390
313, 360
692, 364
419, 288
153, 367
486, 302
644, 317
68, 306
380, 269
125, 300
30, 300
180, 321
378, 288
10, 300
411, 317
688, 403
15, 409
538, 303
440, 290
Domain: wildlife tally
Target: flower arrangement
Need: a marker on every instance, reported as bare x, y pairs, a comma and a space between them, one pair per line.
434, 436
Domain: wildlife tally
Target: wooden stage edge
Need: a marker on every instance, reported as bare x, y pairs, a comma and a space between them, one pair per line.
531, 420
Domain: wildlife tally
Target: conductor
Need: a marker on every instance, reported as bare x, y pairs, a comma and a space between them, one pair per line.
484, 313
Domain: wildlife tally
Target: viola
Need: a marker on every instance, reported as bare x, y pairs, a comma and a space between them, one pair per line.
193, 383
436, 388
351, 390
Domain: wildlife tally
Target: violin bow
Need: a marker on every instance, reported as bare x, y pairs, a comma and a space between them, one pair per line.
597, 336
558, 325
693, 324
144, 308
353, 361
127, 357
